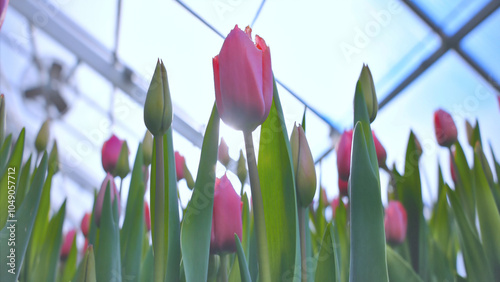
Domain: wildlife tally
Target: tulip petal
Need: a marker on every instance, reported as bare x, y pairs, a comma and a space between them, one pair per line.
267, 75
218, 98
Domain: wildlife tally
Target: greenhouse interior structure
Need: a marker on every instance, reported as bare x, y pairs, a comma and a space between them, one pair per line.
250, 140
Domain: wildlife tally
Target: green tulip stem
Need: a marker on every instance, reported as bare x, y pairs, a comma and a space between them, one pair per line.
258, 210
302, 227
159, 231
224, 265
121, 186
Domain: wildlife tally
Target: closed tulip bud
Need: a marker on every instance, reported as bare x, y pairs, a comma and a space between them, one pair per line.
418, 147
223, 154
158, 112
54, 158
395, 223
242, 168
367, 87
100, 197
147, 148
446, 131
42, 138
226, 218
182, 170
85, 224
303, 166
110, 153
122, 165
147, 217
67, 243
3, 10
3, 116
381, 153
243, 80
343, 187
344, 155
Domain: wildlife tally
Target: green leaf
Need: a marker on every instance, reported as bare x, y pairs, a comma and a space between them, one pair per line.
4, 153
10, 175
197, 223
23, 183
399, 269
252, 253
245, 274
45, 266
25, 217
442, 268
87, 272
464, 184
147, 266
476, 262
368, 257
70, 264
327, 266
108, 265
278, 194
133, 226
487, 211
342, 246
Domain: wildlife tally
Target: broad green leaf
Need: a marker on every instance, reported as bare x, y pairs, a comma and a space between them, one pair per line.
93, 235
487, 211
245, 274
147, 266
23, 184
410, 194
70, 264
108, 263
399, 269
10, 176
4, 153
342, 246
464, 184
476, 262
252, 253
327, 265
133, 226
278, 194
45, 266
442, 268
440, 223
496, 190
197, 223
87, 271
368, 257
25, 217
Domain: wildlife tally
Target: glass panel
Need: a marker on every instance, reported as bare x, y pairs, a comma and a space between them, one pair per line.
483, 45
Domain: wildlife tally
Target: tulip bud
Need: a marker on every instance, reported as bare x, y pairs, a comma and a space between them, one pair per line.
3, 10
446, 131
223, 154
147, 148
380, 151
147, 218
42, 139
158, 112
303, 166
3, 114
367, 88
344, 155
243, 80
110, 153
100, 197
122, 165
343, 187
85, 224
418, 147
242, 168
182, 170
54, 158
395, 223
67, 243
226, 218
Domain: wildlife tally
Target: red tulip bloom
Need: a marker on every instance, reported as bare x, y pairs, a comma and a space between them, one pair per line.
344, 155
100, 197
446, 131
110, 153
180, 162
147, 218
343, 186
243, 80
379, 149
395, 222
85, 224
68, 242
3, 10
226, 218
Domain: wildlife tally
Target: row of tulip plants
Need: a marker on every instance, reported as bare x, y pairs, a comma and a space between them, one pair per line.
275, 234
